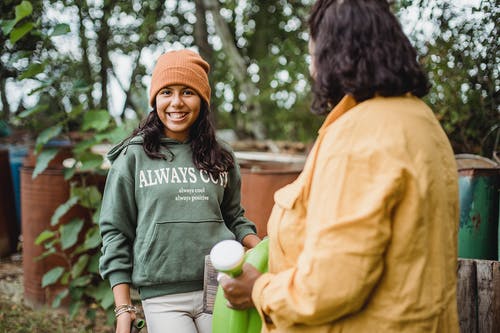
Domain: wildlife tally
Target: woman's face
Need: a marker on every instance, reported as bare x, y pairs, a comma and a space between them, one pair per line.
178, 107
312, 66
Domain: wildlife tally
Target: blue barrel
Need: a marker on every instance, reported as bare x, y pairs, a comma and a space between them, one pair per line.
17, 153
479, 198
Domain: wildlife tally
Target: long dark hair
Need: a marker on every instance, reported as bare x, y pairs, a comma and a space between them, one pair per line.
208, 154
360, 49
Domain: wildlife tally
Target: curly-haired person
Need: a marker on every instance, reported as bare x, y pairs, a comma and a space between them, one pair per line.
365, 240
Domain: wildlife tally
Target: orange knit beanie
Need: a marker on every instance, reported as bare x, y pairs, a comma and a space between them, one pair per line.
183, 67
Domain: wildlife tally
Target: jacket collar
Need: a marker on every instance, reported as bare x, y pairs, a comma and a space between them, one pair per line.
345, 104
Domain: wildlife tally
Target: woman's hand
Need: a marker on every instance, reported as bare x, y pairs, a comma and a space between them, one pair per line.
250, 241
238, 291
124, 321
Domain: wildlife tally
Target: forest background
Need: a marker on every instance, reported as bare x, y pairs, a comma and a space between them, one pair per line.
80, 69
63, 59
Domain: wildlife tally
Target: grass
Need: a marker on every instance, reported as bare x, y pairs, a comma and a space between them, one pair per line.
18, 318
15, 317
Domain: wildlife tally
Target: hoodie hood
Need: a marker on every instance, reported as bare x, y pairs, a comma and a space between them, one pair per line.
113, 154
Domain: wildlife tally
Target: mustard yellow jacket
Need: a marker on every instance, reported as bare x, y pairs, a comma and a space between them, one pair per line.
365, 240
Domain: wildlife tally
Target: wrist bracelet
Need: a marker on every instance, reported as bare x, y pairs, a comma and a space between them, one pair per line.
121, 309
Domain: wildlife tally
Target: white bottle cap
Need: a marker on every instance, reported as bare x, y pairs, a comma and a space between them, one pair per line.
227, 255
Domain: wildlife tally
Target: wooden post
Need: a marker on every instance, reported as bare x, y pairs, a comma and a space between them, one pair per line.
488, 296
467, 296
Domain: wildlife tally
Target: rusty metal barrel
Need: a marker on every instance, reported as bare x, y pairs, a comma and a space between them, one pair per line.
40, 197
262, 174
479, 180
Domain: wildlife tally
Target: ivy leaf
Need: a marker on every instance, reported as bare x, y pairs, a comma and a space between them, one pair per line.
65, 278
90, 161
60, 29
46, 254
23, 9
63, 209
69, 233
98, 120
76, 293
34, 110
101, 293
7, 26
46, 135
44, 235
93, 266
91, 314
81, 281
59, 297
90, 196
69, 173
32, 70
84, 145
79, 266
52, 276
108, 299
18, 33
95, 216
110, 316
74, 307
97, 292
116, 135
43, 160
92, 240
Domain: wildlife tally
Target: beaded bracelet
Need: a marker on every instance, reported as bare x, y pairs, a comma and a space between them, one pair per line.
121, 309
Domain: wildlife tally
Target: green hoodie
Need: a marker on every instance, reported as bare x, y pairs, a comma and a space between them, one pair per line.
160, 218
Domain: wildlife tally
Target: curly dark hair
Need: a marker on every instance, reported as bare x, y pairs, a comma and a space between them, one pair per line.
208, 154
360, 49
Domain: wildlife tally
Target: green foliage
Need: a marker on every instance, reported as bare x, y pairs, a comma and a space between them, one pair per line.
78, 242
461, 55
9, 26
71, 90
52, 276
43, 160
75, 240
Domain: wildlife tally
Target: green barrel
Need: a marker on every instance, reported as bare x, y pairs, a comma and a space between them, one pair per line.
478, 236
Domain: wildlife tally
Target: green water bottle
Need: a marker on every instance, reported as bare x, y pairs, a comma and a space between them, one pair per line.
228, 257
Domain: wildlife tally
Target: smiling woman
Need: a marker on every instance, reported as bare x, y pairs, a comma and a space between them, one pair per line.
172, 193
178, 108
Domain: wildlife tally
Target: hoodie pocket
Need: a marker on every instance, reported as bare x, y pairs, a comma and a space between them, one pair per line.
176, 250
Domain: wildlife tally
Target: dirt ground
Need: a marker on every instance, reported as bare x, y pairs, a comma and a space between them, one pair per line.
16, 317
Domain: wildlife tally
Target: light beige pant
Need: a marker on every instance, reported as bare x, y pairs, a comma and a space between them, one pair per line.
178, 313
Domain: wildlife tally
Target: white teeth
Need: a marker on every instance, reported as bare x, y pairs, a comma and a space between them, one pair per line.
176, 115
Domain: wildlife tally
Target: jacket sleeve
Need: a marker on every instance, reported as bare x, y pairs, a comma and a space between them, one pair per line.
117, 222
232, 211
348, 228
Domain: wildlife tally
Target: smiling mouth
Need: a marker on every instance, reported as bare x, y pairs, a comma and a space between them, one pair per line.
177, 115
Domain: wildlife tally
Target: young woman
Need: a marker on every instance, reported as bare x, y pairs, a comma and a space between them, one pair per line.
173, 192
365, 240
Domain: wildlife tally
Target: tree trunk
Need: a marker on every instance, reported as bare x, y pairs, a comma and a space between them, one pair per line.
5, 103
201, 32
102, 46
238, 67
129, 100
201, 40
87, 72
